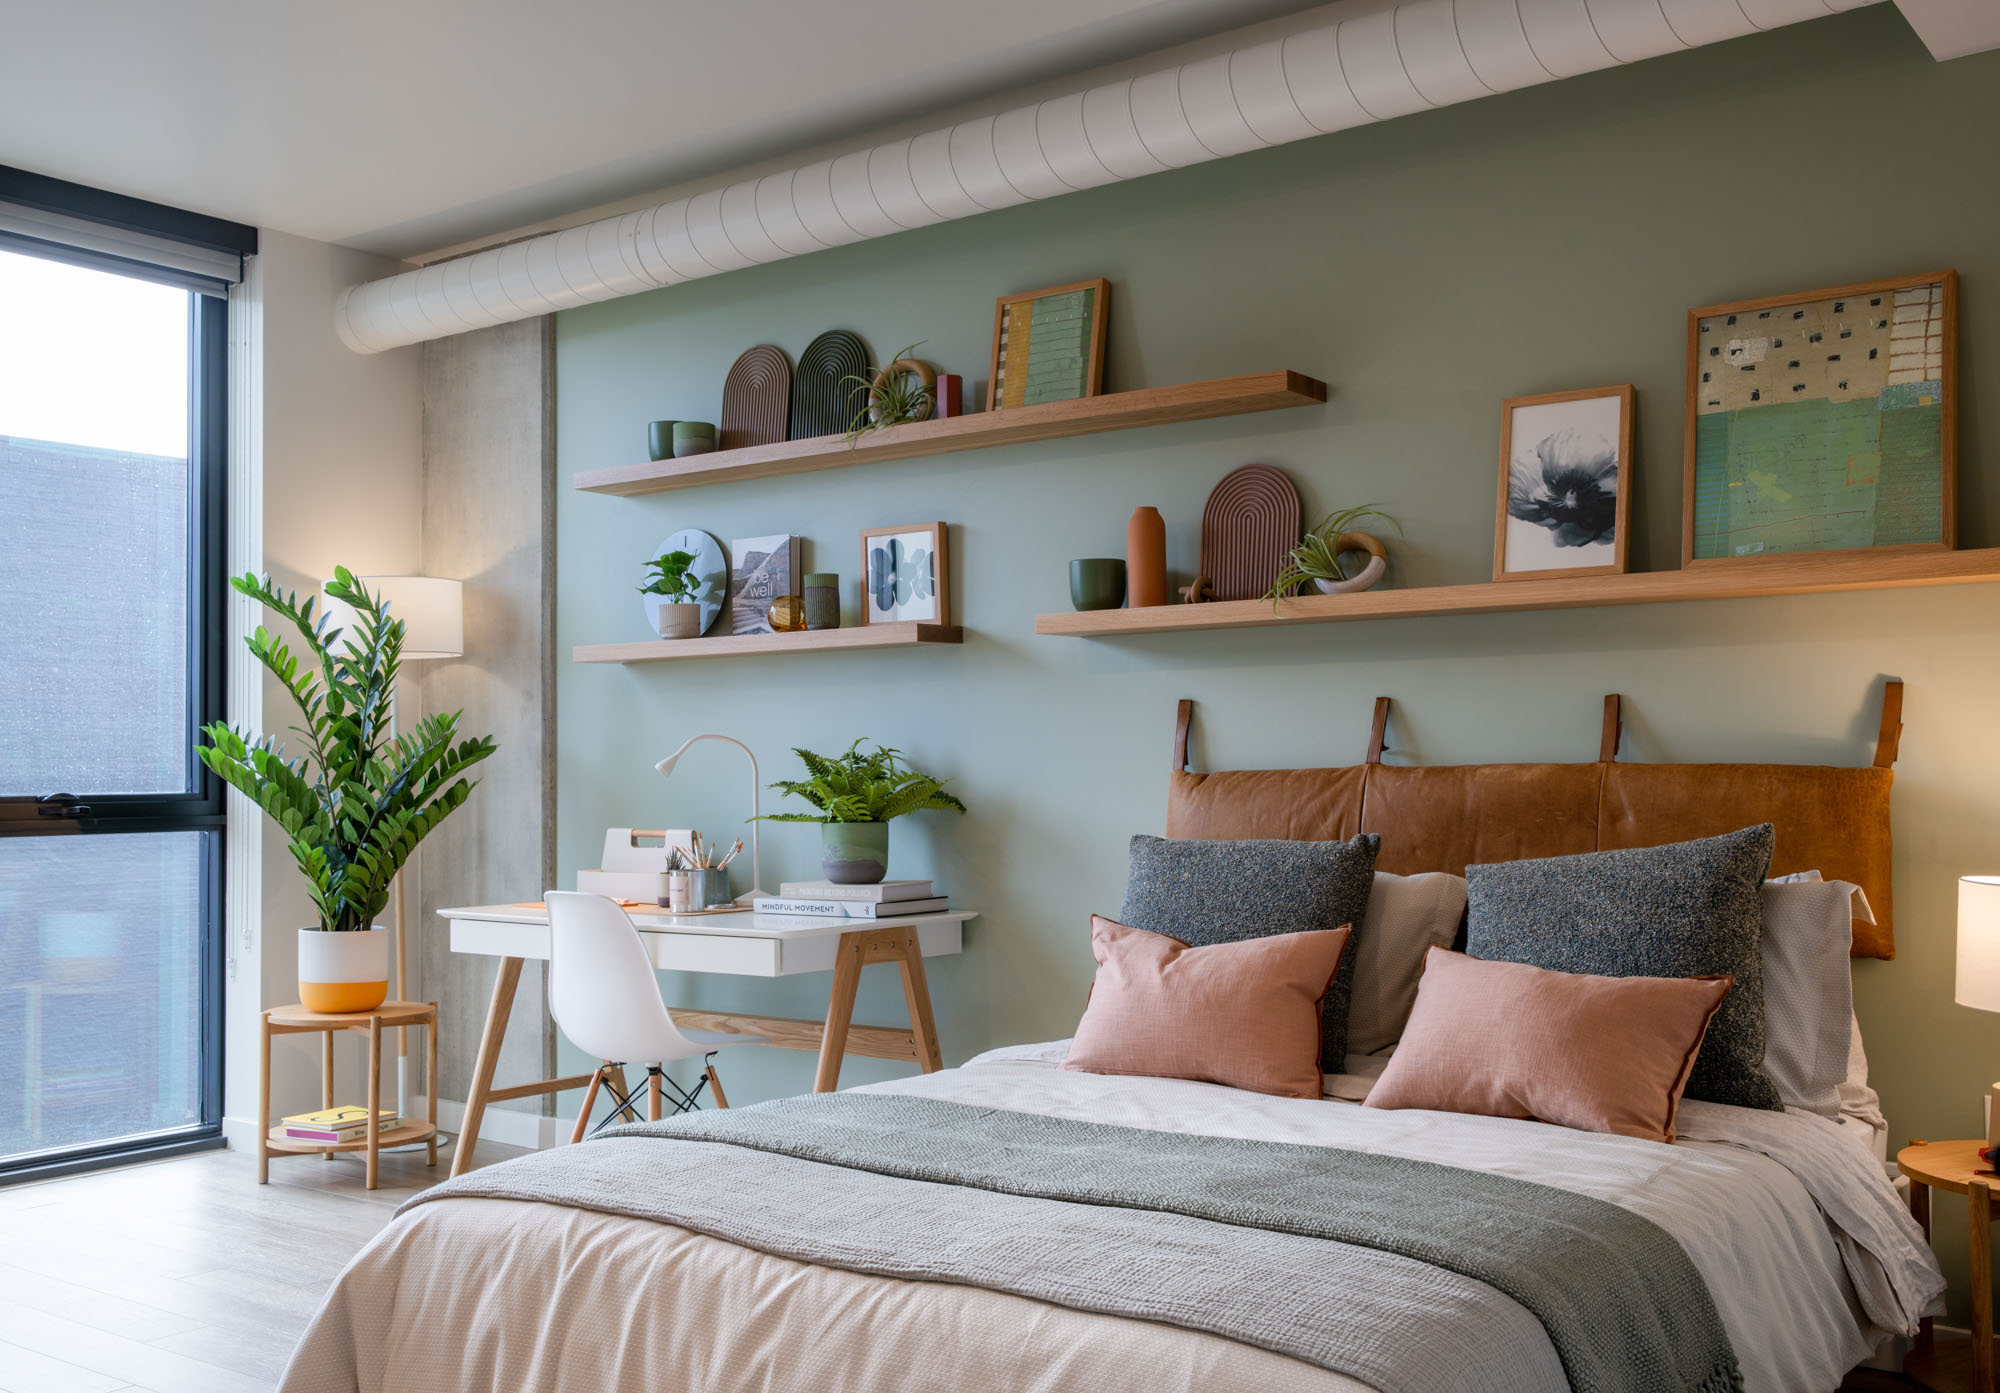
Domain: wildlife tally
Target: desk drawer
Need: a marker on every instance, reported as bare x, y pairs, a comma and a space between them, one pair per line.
687, 952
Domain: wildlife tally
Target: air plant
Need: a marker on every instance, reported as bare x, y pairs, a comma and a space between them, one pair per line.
1317, 557
897, 397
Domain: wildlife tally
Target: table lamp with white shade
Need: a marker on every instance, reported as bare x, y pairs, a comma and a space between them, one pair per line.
433, 615
1978, 979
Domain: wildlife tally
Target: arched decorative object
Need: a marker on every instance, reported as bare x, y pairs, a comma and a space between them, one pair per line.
1248, 529
756, 399
824, 402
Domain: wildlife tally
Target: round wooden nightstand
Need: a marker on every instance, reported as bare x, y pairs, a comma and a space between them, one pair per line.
297, 1020
1954, 1362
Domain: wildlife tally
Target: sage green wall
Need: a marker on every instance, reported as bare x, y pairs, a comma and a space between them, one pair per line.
1426, 269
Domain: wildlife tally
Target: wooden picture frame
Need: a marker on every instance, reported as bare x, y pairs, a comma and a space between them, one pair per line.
925, 542
1540, 536
1076, 362
1737, 351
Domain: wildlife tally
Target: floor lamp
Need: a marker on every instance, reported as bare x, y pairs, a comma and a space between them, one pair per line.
433, 615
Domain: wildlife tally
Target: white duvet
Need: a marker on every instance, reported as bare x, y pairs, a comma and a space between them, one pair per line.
1808, 1251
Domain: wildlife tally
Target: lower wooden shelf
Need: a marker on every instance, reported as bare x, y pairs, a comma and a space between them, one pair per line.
1777, 575
395, 1136
901, 635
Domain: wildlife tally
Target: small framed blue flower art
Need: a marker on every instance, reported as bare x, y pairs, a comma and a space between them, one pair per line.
1565, 460
903, 574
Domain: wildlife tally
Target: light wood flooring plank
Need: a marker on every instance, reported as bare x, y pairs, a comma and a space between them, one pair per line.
96, 1308
29, 1371
120, 1359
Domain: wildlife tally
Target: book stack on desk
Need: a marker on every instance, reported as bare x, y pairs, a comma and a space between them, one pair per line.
823, 899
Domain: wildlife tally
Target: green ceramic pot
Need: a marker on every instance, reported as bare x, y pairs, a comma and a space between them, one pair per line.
660, 439
693, 438
854, 853
1097, 583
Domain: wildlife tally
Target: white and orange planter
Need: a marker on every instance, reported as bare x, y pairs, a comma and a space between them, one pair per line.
343, 972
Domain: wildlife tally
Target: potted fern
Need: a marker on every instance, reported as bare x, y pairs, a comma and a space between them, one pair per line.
358, 802
857, 794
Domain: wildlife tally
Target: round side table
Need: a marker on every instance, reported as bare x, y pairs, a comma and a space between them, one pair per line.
1954, 1362
297, 1020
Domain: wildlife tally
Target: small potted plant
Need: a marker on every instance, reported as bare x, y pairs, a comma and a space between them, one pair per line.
674, 581
1317, 559
904, 391
857, 794
356, 804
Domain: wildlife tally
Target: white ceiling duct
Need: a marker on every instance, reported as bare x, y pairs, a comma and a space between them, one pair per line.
1397, 60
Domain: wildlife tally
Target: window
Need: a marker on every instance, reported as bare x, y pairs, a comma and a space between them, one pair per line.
113, 344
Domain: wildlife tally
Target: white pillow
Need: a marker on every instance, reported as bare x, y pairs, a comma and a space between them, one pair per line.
1407, 916
1808, 990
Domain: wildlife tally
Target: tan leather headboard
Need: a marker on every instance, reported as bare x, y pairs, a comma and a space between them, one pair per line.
1832, 820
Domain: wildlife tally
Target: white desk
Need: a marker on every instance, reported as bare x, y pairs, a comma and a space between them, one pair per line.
741, 944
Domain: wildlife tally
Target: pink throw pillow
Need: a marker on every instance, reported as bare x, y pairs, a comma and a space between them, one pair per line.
1600, 1054
1245, 1014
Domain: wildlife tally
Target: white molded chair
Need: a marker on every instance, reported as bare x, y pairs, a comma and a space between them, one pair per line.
604, 996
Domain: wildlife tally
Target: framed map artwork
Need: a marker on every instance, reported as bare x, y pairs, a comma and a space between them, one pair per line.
1825, 421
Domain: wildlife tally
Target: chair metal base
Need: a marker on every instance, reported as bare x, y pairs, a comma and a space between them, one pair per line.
683, 1099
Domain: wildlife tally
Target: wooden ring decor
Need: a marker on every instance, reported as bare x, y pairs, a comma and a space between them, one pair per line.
924, 371
756, 399
1371, 574
1248, 529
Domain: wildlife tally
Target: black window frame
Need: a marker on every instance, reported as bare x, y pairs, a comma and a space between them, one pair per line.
201, 806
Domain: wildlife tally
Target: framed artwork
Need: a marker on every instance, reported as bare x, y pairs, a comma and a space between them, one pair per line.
1565, 499
1048, 345
1825, 421
903, 574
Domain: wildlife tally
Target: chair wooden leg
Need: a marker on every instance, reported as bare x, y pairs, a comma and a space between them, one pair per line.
615, 1073
715, 1086
374, 1099
589, 1101
264, 1107
653, 1094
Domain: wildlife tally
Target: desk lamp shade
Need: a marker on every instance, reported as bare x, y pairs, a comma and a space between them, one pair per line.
432, 611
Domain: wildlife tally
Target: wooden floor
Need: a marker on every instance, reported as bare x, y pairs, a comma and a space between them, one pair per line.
183, 1276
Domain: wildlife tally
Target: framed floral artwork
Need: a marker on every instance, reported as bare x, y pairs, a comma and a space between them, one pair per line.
1564, 497
903, 574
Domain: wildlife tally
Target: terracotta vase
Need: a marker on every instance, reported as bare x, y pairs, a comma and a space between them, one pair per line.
1146, 558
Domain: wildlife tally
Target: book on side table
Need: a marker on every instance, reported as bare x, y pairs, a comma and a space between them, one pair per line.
888, 890
846, 909
348, 1123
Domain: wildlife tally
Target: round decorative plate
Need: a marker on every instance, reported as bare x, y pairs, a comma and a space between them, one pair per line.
711, 570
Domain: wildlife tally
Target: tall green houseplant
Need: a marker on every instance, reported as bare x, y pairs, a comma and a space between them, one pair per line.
356, 803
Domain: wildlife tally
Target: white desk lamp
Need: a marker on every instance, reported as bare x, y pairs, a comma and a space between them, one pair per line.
433, 615
666, 768
1978, 979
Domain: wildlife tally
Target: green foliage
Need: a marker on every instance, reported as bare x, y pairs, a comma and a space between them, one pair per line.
356, 804
901, 397
671, 577
857, 787
1314, 557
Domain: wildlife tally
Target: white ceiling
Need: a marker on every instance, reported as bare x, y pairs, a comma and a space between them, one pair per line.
399, 126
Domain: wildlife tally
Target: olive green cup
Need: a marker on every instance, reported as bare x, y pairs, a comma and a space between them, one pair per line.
660, 439
1097, 583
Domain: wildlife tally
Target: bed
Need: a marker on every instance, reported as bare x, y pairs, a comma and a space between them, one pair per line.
1013, 1225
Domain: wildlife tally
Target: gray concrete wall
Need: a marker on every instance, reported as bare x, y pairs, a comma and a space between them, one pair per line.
488, 520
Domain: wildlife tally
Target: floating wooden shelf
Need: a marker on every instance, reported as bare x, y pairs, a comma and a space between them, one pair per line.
903, 635
1152, 406
1776, 575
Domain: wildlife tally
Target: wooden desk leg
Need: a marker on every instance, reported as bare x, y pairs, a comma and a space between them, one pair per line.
374, 1098
497, 1012
264, 1106
1980, 1256
917, 997
839, 1012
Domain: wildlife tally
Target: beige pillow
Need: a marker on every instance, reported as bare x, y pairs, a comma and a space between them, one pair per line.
1599, 1054
1408, 915
1245, 1014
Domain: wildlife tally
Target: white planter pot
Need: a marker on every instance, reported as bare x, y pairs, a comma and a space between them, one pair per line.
343, 972
678, 621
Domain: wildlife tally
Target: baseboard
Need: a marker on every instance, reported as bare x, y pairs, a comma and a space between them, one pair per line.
525, 1129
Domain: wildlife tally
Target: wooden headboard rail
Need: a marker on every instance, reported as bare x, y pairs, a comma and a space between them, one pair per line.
1834, 820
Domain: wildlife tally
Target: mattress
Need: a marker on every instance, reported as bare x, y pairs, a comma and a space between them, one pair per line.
1811, 1259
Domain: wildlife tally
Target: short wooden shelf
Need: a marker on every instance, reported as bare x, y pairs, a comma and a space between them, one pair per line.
1778, 575
903, 635
395, 1136
1151, 406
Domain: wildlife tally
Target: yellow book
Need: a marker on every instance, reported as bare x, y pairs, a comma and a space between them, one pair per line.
345, 1116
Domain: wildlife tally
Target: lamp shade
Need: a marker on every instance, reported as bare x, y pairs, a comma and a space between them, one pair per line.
1979, 942
432, 611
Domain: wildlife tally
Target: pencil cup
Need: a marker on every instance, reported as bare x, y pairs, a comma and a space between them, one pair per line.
707, 889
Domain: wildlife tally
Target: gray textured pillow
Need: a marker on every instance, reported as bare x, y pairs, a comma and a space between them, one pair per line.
1220, 892
1689, 909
